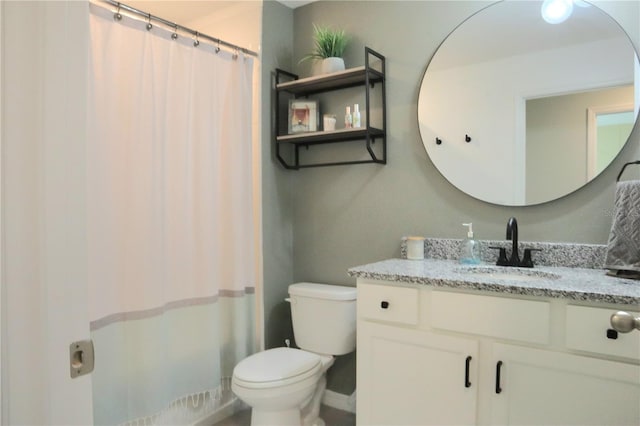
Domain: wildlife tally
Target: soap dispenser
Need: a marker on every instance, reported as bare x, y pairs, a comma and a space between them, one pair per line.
470, 252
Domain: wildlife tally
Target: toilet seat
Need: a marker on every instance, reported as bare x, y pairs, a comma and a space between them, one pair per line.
276, 367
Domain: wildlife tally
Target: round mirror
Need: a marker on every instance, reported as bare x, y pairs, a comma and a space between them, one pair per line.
517, 111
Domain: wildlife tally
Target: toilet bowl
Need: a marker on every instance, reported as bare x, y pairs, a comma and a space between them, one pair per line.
280, 384
284, 386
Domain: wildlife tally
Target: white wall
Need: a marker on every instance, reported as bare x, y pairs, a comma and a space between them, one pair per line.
237, 22
44, 282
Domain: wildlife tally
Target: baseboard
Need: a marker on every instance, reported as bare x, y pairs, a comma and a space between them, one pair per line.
340, 401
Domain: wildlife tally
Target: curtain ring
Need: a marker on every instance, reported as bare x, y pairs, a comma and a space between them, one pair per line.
218, 46
196, 42
174, 36
235, 54
149, 24
117, 16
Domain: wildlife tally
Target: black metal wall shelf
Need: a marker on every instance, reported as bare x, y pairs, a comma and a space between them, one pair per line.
339, 80
331, 136
366, 76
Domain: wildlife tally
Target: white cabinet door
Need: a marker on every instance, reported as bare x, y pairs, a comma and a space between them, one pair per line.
411, 377
552, 388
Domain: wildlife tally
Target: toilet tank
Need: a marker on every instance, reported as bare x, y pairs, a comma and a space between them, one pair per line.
324, 317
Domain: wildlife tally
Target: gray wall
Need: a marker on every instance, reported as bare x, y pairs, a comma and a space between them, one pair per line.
566, 169
277, 39
351, 215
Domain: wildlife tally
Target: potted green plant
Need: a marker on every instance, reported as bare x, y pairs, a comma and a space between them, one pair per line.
329, 46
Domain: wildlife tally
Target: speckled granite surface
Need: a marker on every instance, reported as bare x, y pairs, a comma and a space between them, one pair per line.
559, 282
550, 254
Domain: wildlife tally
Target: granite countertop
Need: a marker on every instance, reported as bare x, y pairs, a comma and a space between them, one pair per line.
591, 285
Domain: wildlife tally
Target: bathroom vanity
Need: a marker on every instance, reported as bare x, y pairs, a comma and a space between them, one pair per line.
441, 343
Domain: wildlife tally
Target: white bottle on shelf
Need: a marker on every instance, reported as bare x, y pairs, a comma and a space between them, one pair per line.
348, 119
356, 116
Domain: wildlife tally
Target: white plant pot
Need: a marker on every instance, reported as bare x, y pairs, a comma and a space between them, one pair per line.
329, 65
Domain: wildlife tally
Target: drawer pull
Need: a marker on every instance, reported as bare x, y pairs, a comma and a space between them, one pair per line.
498, 372
467, 363
384, 304
624, 322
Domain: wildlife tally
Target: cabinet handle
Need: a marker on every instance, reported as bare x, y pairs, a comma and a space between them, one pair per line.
498, 371
467, 363
384, 304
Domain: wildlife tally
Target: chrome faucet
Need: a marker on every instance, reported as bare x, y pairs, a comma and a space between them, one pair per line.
512, 234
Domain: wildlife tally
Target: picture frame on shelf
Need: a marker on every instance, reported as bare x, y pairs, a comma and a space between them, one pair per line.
304, 116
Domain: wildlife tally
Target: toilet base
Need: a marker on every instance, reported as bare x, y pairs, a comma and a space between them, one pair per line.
311, 412
308, 416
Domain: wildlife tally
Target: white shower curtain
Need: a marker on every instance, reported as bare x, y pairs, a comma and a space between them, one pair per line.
171, 222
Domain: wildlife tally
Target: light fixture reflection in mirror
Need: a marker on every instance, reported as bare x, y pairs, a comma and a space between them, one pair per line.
496, 76
556, 11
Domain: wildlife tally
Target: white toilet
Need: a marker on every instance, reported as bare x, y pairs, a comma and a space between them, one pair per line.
284, 386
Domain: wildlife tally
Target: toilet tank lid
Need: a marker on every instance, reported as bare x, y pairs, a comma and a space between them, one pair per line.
323, 291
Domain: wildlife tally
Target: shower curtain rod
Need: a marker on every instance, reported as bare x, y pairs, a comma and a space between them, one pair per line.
197, 34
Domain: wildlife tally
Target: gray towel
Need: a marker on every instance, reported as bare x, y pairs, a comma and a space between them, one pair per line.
623, 249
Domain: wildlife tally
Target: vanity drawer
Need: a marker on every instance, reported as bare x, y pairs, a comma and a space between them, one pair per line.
500, 317
586, 330
388, 303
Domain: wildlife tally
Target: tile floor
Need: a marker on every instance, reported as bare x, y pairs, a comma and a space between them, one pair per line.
331, 416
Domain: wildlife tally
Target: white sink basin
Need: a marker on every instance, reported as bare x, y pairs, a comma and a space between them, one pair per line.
507, 273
